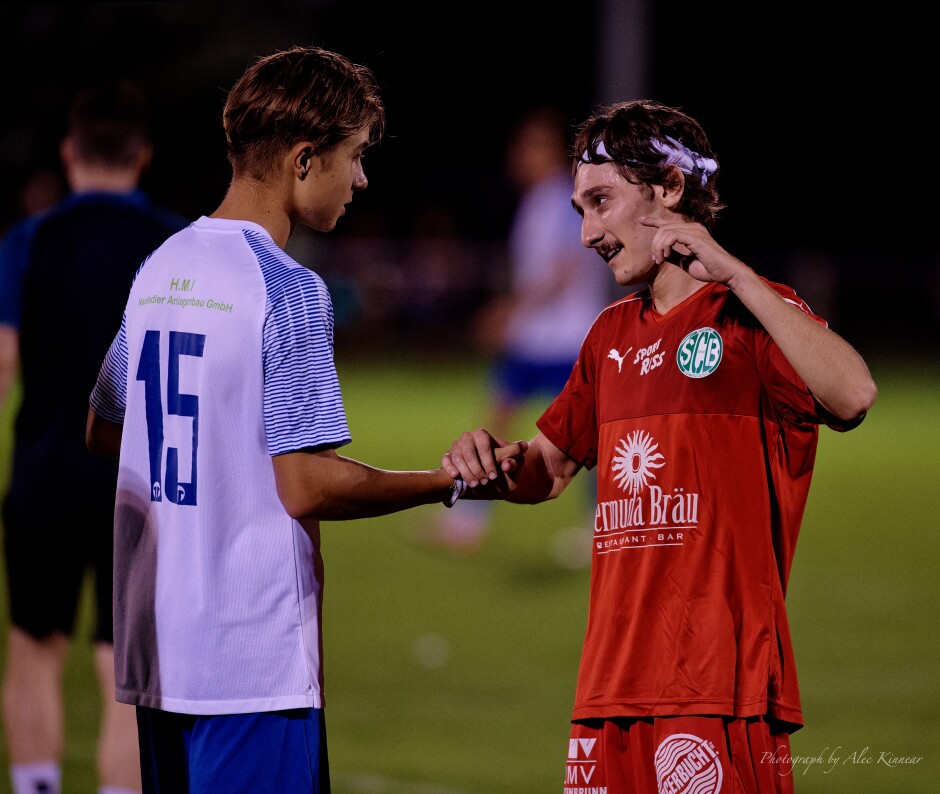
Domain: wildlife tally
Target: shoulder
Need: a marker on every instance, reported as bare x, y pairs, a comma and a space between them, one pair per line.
615, 315
732, 307
628, 305
22, 231
20, 239
790, 296
281, 271
288, 284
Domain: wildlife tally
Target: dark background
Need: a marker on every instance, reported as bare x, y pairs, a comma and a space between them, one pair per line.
822, 118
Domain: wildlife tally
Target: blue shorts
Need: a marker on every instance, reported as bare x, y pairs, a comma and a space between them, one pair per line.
518, 379
259, 753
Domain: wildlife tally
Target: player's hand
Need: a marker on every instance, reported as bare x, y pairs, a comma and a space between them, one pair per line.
480, 458
697, 250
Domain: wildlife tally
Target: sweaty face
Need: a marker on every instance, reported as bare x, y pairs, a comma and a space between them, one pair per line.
333, 179
610, 208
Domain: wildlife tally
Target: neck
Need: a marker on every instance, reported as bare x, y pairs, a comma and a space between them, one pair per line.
671, 285
246, 201
102, 180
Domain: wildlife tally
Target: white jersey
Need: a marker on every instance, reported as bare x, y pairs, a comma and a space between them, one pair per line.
224, 359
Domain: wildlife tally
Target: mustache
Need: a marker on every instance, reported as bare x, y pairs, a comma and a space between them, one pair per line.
607, 250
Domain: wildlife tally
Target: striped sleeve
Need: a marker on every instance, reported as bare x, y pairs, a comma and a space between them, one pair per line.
303, 406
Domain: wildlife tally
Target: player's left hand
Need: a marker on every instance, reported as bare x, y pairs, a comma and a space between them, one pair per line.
701, 256
480, 458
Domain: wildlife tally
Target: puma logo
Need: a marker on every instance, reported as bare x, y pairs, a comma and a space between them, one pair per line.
619, 357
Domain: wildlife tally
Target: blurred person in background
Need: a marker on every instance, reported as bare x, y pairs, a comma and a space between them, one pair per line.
699, 401
65, 271
535, 329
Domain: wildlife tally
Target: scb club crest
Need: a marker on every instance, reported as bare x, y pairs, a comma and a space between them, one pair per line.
699, 354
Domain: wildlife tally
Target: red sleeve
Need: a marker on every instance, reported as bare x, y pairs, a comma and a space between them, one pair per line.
789, 395
570, 422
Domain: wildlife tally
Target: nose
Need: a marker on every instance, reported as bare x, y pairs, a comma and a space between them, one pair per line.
591, 233
360, 182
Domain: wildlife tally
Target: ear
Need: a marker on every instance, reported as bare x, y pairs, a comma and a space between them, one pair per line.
301, 158
670, 192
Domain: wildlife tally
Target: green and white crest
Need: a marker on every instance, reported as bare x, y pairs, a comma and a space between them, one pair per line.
699, 354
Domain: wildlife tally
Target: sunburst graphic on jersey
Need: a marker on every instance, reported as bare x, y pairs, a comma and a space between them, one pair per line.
635, 461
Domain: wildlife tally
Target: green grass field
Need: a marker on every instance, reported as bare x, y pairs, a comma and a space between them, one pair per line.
456, 675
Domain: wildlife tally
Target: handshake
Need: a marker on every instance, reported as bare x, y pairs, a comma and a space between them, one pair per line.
488, 467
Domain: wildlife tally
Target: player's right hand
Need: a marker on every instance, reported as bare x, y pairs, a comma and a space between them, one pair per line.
479, 457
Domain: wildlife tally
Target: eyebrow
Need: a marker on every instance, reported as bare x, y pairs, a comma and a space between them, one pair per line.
590, 193
593, 191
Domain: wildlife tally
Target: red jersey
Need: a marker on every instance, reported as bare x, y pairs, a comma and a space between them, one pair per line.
704, 439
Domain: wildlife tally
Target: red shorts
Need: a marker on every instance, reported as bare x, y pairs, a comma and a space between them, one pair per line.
678, 755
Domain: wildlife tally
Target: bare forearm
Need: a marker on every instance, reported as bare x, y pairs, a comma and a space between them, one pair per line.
336, 488
376, 492
831, 368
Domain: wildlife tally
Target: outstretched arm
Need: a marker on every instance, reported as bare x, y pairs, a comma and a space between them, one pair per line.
329, 487
323, 485
491, 471
831, 368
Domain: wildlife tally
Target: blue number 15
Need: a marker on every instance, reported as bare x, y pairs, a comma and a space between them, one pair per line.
148, 371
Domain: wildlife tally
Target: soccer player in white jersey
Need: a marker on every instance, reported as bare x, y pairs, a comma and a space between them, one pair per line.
221, 399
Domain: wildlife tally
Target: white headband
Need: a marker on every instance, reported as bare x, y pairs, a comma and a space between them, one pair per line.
677, 154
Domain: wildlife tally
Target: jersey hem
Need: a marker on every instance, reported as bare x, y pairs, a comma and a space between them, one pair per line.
786, 714
255, 705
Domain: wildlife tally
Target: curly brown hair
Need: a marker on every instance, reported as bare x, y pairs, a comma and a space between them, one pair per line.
628, 130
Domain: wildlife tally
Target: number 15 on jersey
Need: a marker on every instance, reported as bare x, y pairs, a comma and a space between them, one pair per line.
177, 404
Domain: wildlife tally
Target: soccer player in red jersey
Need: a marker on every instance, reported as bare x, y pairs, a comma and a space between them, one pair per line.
698, 399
